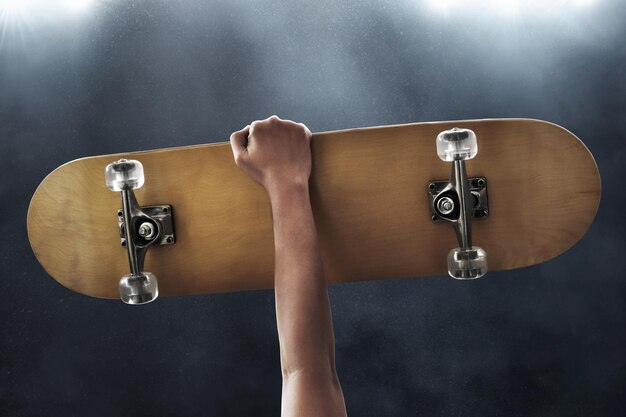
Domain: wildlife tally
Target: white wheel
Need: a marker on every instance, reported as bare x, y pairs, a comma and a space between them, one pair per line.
125, 174
467, 264
139, 289
456, 144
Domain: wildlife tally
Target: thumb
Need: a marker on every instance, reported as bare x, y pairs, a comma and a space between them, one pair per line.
239, 142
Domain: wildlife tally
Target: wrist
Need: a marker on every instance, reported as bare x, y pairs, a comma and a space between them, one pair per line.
287, 191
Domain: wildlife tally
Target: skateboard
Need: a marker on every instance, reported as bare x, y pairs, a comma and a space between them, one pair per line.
419, 199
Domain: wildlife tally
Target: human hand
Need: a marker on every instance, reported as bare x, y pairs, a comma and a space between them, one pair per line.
275, 153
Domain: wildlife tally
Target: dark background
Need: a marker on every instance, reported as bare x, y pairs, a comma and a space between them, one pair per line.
547, 340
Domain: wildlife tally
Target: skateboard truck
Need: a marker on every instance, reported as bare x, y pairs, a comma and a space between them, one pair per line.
459, 200
140, 228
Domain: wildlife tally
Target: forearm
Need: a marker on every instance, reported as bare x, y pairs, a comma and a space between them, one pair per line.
302, 308
276, 154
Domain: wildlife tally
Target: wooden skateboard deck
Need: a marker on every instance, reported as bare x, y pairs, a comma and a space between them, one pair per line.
370, 202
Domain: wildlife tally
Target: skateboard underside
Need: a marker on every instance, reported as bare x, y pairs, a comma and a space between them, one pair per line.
369, 191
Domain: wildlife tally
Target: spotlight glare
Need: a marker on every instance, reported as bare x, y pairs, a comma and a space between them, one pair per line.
583, 2
78, 5
508, 7
14, 7
440, 5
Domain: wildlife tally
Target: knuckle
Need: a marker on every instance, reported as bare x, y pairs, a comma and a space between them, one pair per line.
273, 121
303, 129
255, 126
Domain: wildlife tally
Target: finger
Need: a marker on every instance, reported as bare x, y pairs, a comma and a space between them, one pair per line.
239, 141
294, 123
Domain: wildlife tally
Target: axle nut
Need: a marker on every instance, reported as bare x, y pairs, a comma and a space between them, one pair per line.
147, 231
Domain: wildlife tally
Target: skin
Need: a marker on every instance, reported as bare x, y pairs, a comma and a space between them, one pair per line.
276, 154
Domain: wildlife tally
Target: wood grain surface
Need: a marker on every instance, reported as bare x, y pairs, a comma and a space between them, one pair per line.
370, 201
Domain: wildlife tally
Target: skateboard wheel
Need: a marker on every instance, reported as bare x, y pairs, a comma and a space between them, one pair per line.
125, 174
139, 289
467, 264
456, 144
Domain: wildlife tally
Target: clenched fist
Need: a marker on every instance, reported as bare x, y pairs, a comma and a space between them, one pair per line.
275, 153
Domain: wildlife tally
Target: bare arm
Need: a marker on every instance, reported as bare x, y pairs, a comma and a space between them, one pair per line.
276, 153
